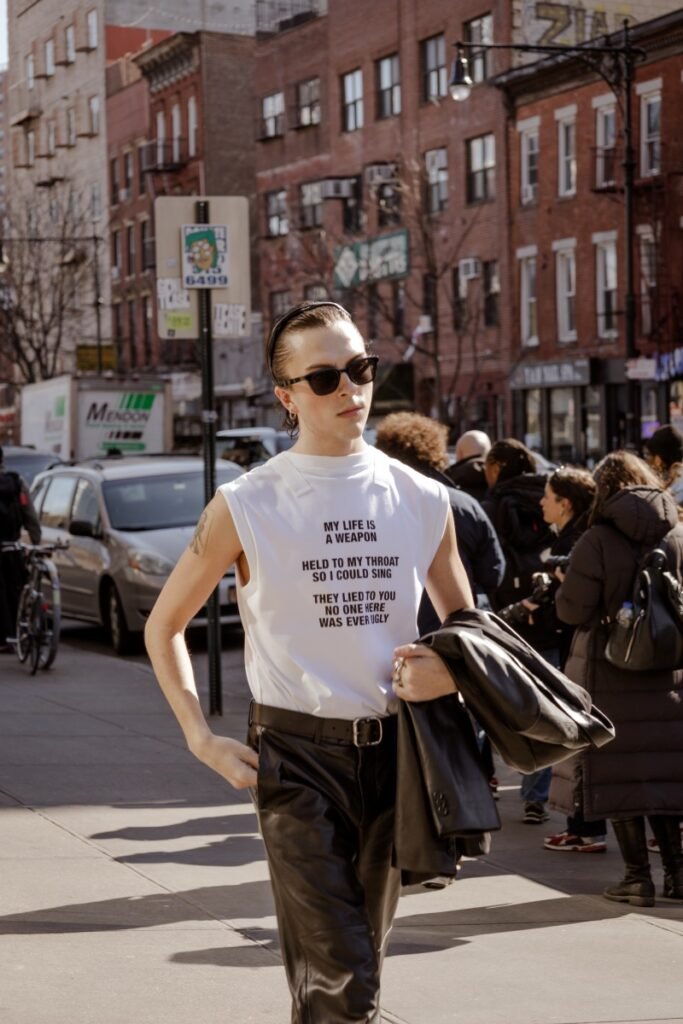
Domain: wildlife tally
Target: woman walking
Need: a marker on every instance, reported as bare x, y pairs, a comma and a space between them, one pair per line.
640, 774
333, 544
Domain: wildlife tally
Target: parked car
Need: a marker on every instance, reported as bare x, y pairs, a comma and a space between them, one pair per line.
249, 446
128, 521
27, 461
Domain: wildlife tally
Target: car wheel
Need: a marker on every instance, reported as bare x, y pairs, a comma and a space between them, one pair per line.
120, 635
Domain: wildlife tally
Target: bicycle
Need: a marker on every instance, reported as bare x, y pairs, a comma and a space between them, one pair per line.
39, 613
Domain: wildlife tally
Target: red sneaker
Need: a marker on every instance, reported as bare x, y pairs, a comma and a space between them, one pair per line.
565, 841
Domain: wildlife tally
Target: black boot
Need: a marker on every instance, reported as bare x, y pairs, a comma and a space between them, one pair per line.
668, 835
636, 887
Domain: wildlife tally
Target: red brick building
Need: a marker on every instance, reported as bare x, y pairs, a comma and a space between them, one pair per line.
374, 186
574, 389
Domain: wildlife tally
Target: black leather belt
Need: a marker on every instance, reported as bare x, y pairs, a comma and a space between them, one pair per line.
359, 732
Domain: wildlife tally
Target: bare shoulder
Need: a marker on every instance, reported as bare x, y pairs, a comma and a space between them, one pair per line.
215, 535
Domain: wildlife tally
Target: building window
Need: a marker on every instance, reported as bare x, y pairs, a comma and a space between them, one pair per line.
116, 252
30, 71
606, 286
130, 250
161, 138
436, 170
128, 174
527, 297
491, 294
648, 281
131, 333
92, 29
316, 293
273, 111
142, 182
434, 77
388, 205
96, 200
352, 104
276, 213
606, 138
147, 246
280, 302
481, 168
308, 102
528, 155
311, 204
565, 289
176, 131
147, 329
114, 180
475, 32
70, 43
429, 296
566, 152
30, 148
192, 126
51, 139
49, 57
388, 87
398, 295
459, 299
117, 328
650, 134
94, 114
71, 127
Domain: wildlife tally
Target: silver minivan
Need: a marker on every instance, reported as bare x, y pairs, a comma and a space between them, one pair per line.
127, 521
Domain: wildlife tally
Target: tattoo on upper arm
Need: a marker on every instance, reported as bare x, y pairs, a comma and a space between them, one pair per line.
200, 536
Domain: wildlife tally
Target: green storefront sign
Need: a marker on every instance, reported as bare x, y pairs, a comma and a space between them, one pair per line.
376, 259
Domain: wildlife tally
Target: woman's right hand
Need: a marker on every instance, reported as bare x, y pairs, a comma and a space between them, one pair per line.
234, 761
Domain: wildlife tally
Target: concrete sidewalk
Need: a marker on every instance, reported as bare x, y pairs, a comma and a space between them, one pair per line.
134, 889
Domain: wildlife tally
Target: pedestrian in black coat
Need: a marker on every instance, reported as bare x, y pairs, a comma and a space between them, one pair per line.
420, 442
641, 774
467, 472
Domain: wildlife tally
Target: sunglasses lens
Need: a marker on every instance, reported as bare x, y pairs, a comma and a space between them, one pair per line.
362, 371
324, 382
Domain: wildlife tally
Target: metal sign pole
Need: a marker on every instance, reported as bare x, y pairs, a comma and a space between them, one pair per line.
209, 448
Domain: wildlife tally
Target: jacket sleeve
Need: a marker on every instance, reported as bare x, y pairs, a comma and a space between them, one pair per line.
489, 564
28, 515
580, 597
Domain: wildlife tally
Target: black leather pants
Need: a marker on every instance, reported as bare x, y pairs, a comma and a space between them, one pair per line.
326, 813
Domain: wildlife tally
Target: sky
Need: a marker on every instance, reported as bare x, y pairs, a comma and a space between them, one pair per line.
3, 32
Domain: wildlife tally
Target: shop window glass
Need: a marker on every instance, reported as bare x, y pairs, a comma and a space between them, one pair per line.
562, 425
533, 432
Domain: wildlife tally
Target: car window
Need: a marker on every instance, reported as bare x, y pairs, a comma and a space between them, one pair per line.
57, 501
38, 493
159, 502
28, 465
85, 506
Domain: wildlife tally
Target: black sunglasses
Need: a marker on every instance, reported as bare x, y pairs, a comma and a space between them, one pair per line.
360, 370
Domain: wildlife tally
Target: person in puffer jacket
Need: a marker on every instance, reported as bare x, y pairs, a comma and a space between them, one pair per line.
640, 774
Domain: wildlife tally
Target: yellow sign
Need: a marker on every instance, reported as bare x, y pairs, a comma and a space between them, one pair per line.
177, 321
86, 357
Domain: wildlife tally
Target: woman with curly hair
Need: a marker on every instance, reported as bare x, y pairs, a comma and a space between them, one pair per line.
641, 773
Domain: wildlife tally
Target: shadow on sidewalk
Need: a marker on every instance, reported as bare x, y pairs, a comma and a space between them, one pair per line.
229, 824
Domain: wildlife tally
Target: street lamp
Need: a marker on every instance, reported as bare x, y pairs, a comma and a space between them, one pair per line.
616, 66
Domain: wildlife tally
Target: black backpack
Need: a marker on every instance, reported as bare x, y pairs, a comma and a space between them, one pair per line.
10, 506
651, 638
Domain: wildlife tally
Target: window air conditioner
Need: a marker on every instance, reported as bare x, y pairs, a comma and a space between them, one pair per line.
469, 268
528, 193
338, 188
380, 174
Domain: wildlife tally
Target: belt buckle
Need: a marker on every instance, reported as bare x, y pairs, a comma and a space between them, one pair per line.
357, 723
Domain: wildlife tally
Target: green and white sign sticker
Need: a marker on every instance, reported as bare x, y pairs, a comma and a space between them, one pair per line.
205, 255
129, 421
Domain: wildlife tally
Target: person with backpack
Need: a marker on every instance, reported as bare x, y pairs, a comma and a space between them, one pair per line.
16, 511
641, 774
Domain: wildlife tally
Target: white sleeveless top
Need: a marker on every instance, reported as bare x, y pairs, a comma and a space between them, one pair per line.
338, 550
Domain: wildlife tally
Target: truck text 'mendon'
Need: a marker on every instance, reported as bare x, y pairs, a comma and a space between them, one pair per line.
133, 408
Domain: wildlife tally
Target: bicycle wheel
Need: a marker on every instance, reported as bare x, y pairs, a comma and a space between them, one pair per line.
51, 622
37, 632
24, 623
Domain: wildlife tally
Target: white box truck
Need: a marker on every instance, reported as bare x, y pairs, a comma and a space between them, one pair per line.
82, 417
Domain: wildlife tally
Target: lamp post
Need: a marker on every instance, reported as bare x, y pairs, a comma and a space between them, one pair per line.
616, 65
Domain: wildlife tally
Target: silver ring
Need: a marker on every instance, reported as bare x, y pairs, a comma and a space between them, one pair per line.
398, 668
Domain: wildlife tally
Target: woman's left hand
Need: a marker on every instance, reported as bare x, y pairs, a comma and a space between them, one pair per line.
420, 674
